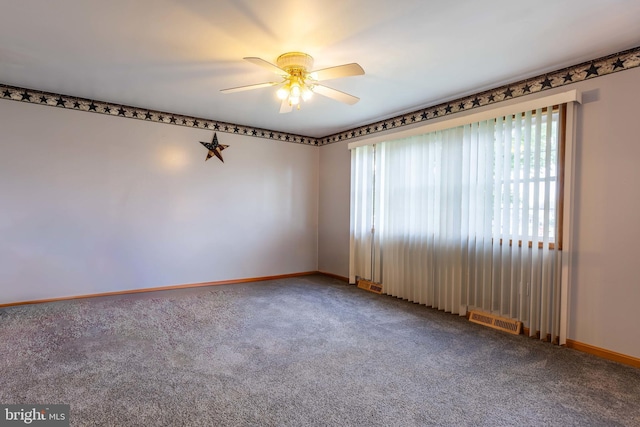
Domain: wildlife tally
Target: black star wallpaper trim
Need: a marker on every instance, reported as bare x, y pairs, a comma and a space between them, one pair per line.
591, 69
612, 63
214, 147
618, 64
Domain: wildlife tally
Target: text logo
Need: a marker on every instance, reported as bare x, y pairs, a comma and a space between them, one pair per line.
34, 415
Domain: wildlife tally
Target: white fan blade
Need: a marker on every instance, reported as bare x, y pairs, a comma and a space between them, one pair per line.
335, 94
345, 70
268, 65
285, 107
248, 87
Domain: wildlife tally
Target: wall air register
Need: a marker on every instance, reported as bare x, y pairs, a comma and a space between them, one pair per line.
496, 322
370, 286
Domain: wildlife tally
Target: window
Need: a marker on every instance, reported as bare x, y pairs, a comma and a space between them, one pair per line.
530, 177
431, 215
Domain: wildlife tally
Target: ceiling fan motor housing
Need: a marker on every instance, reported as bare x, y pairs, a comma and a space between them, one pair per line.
294, 61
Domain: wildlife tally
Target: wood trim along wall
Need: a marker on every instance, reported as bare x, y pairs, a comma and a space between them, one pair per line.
167, 288
605, 354
590, 349
335, 276
562, 149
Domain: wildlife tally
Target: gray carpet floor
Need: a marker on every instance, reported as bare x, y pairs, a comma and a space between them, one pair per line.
296, 352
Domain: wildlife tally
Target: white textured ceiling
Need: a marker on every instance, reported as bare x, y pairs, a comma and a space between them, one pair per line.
175, 55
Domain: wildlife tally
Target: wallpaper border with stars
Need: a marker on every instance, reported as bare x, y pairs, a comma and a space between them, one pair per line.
587, 70
94, 106
576, 73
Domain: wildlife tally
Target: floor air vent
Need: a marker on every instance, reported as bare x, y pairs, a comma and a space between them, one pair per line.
370, 286
495, 322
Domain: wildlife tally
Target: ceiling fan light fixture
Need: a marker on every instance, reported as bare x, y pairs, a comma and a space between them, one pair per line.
295, 90
307, 93
283, 92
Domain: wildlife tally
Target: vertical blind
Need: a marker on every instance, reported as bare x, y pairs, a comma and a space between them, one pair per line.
465, 218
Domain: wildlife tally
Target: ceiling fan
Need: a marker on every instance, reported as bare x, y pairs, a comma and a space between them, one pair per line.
299, 83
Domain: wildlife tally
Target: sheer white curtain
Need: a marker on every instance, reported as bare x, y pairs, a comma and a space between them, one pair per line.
362, 210
464, 218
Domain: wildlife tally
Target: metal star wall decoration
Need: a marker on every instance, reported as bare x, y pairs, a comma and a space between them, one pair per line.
215, 148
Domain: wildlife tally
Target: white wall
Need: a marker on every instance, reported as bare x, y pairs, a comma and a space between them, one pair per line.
605, 291
333, 217
92, 203
605, 287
